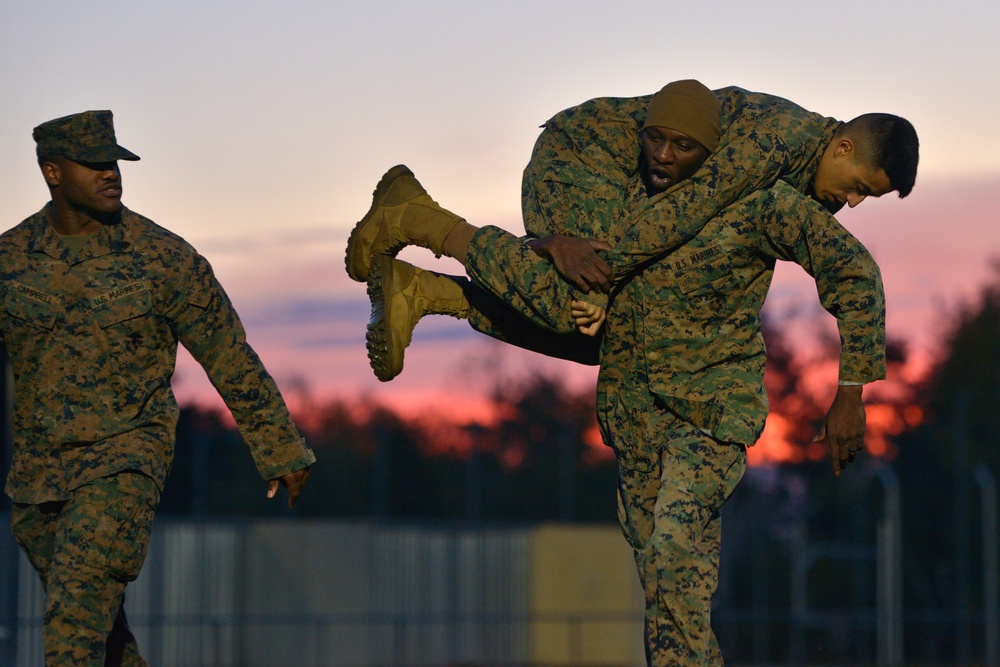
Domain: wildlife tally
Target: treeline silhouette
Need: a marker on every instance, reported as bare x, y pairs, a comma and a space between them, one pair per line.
533, 464
539, 460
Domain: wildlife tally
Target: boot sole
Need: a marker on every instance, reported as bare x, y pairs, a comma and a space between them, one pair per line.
355, 260
377, 337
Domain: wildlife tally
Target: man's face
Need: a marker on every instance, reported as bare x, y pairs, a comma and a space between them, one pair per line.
669, 157
844, 178
89, 188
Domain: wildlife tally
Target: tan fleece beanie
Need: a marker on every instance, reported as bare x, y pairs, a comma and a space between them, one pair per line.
687, 107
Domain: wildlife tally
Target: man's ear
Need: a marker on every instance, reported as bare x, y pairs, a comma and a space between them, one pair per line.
844, 147
51, 173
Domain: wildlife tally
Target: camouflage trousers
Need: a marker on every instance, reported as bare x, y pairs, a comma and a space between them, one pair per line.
583, 204
672, 482
503, 265
494, 317
85, 550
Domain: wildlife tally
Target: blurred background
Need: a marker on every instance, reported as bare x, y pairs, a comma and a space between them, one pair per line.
465, 512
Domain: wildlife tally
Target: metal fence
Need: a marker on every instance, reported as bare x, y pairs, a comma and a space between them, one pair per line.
318, 593
324, 593
795, 616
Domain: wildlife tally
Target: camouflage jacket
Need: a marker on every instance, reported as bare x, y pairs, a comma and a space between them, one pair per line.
583, 179
93, 342
690, 324
764, 139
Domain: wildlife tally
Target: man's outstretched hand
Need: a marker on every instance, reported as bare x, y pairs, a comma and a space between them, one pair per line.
843, 428
576, 260
293, 481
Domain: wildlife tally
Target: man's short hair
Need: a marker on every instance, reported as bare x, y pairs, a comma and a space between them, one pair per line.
889, 143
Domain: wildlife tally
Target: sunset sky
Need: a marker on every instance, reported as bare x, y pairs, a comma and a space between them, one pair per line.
263, 127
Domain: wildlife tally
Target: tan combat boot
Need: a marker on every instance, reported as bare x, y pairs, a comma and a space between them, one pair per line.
402, 213
401, 294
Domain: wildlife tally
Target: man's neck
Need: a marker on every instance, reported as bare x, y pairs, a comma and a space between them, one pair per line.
70, 221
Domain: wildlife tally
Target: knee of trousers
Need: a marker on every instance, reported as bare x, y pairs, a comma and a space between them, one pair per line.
104, 529
34, 528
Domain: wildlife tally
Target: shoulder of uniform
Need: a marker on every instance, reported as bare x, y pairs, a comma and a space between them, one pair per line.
737, 103
12, 233
604, 110
146, 232
21, 231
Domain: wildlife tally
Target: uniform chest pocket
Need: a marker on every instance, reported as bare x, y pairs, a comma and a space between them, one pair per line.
135, 304
703, 273
32, 311
131, 337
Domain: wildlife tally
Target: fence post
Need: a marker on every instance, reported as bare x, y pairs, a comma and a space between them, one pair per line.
961, 520
889, 586
474, 476
799, 602
9, 579
381, 501
9, 552
991, 586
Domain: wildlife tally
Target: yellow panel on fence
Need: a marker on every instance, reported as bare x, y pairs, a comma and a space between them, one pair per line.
586, 601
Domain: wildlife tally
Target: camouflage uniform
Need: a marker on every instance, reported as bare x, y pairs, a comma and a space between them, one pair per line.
680, 391
92, 337
583, 180
93, 543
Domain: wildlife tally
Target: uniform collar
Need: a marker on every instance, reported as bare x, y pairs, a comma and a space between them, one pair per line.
802, 169
42, 237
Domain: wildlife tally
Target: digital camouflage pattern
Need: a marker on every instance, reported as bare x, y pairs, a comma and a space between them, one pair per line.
489, 315
680, 390
91, 325
583, 180
503, 265
583, 176
693, 319
94, 542
93, 341
87, 137
669, 513
764, 139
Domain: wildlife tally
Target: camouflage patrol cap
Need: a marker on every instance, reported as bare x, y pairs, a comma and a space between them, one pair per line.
82, 137
688, 107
